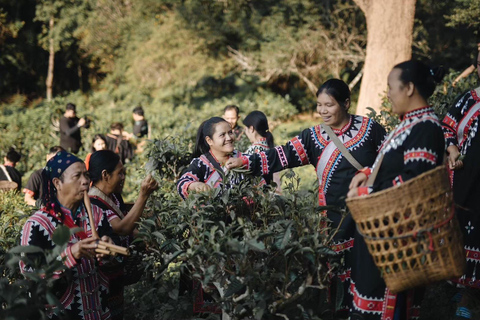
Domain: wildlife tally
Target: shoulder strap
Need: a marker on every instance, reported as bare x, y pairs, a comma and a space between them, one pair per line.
6, 172
373, 175
98, 194
342, 148
214, 162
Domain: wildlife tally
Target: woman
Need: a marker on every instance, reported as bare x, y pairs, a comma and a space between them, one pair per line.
463, 147
98, 143
214, 146
65, 181
415, 146
108, 176
258, 132
360, 135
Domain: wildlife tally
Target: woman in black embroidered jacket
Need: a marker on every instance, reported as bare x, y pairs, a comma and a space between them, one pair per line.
415, 146
360, 135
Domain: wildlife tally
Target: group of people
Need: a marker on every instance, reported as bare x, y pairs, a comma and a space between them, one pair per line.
117, 139
344, 150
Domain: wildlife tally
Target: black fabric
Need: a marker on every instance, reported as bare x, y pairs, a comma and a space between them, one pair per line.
14, 174
140, 128
466, 181
70, 137
120, 146
34, 184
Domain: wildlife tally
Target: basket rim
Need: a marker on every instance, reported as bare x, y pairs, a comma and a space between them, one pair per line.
403, 185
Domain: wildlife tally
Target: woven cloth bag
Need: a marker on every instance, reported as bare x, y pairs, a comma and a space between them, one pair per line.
411, 231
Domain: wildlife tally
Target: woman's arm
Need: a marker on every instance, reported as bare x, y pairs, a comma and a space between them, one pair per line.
126, 225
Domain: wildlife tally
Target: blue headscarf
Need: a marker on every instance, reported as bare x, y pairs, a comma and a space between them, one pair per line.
55, 167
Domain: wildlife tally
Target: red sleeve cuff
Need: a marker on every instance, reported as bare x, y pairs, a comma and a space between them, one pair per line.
367, 171
244, 161
69, 260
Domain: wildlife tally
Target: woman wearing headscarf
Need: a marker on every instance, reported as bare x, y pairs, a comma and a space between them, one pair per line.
81, 287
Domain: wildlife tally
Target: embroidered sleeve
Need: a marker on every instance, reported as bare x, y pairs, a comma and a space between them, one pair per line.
450, 122
191, 175
379, 135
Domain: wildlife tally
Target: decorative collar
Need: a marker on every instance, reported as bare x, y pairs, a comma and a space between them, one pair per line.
343, 129
417, 112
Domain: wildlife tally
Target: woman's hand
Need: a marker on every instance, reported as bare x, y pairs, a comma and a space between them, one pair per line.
198, 187
84, 248
359, 180
453, 154
148, 185
103, 255
352, 193
233, 163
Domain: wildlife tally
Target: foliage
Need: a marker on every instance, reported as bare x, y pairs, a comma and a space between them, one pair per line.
466, 12
26, 298
257, 254
13, 214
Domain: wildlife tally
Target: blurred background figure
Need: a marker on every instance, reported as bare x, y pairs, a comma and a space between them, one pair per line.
70, 124
118, 143
231, 115
140, 126
99, 142
33, 189
8, 171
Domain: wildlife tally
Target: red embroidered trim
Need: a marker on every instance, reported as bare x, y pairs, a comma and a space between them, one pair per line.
263, 157
472, 254
322, 201
344, 128
364, 304
420, 155
300, 150
367, 171
343, 246
449, 121
474, 95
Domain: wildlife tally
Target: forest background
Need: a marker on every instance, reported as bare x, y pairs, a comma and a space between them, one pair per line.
183, 61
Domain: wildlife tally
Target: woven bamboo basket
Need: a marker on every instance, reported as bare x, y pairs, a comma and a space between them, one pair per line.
411, 231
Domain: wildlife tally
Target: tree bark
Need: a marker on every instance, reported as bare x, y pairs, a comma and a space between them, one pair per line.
51, 62
389, 41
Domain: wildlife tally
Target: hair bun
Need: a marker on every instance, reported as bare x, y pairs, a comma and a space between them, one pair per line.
437, 73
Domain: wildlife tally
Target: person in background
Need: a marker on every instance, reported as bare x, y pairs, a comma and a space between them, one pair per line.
140, 126
461, 131
33, 189
99, 142
70, 124
118, 144
258, 132
231, 115
8, 171
81, 287
361, 136
108, 176
415, 146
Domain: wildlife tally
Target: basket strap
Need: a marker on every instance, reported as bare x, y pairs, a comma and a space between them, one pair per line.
342, 148
373, 175
6, 172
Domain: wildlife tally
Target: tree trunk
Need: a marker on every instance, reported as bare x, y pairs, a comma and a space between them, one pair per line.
389, 41
51, 62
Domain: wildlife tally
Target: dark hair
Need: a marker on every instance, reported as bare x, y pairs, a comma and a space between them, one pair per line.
423, 77
231, 107
116, 126
206, 129
337, 89
71, 106
13, 155
55, 149
102, 160
258, 120
95, 138
138, 110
